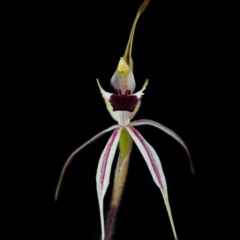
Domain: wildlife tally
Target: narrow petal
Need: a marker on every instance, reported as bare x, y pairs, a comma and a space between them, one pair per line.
104, 170
140, 93
155, 167
106, 95
71, 157
169, 132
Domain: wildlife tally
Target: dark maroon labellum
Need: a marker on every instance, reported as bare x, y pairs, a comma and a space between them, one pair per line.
123, 102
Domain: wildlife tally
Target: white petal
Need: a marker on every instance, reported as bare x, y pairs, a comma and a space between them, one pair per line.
169, 132
140, 93
104, 170
154, 165
71, 157
106, 95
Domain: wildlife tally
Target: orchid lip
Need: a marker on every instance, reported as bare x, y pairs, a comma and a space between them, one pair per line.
123, 102
123, 105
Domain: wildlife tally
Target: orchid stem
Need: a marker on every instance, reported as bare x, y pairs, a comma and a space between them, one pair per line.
110, 223
119, 181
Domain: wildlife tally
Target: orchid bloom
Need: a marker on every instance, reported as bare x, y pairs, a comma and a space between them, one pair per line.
123, 106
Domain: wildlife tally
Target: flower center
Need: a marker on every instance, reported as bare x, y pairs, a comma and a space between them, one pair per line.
123, 102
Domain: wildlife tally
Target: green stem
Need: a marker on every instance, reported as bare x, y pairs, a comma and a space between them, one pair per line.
121, 171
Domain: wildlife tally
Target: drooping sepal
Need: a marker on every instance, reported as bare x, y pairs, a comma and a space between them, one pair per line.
104, 171
121, 170
169, 132
71, 157
155, 168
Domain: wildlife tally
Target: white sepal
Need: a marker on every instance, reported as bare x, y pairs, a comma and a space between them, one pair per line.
104, 171
151, 158
155, 167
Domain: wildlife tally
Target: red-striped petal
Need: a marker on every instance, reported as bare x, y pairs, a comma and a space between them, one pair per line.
155, 167
104, 171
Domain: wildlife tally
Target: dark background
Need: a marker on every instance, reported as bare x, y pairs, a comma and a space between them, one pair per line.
65, 48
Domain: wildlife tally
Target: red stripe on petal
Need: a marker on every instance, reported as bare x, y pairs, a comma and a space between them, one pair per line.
106, 155
150, 155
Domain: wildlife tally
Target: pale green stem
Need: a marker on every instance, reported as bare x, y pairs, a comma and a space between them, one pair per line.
121, 171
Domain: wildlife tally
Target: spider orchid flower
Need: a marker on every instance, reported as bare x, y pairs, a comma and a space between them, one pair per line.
123, 106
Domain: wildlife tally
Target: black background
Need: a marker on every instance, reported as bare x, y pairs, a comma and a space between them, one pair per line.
64, 48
